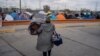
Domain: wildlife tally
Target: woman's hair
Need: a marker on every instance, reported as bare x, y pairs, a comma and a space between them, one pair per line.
48, 20
31, 30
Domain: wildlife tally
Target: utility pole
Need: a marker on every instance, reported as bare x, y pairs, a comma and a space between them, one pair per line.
1, 4
96, 6
20, 5
39, 4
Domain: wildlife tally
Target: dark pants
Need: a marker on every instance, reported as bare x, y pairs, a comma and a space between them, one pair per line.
47, 53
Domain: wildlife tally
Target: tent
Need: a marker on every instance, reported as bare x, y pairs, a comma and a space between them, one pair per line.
60, 16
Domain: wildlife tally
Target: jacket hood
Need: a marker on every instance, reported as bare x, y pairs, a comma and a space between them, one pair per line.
47, 27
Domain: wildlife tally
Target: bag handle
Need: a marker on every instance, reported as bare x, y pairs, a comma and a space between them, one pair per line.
55, 33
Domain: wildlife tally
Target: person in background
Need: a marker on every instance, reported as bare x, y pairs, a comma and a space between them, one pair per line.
46, 11
40, 17
44, 43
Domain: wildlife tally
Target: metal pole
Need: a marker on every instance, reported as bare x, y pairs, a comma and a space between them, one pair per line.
20, 5
1, 3
40, 4
96, 6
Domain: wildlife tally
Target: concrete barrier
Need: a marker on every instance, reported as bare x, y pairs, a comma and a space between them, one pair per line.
26, 22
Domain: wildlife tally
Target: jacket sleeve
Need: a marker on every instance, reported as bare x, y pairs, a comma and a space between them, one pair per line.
40, 29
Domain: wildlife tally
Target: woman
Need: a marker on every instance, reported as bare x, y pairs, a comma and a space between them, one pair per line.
44, 32
44, 42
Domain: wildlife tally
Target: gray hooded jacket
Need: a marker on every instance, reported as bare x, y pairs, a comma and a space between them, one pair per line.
44, 38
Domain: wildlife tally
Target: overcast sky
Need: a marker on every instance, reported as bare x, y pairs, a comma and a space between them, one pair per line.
54, 4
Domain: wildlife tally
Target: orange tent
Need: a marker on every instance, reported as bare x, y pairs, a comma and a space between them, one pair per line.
60, 16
